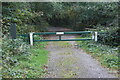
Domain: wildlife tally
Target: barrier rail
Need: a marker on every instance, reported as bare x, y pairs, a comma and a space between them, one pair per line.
31, 36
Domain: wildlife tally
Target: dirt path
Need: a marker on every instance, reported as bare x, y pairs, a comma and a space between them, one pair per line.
68, 61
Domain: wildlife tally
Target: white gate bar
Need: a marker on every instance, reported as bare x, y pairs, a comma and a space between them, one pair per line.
31, 38
93, 36
96, 36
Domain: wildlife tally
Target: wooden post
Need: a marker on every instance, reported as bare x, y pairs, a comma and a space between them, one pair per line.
13, 31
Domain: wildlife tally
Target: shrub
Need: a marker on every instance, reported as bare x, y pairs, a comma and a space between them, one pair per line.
11, 48
110, 37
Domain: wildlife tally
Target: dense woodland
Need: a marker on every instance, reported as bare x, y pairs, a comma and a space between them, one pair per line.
78, 16
37, 16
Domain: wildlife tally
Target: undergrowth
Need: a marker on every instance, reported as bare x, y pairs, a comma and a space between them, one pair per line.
20, 60
106, 55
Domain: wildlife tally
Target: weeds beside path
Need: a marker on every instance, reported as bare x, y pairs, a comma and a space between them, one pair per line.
34, 67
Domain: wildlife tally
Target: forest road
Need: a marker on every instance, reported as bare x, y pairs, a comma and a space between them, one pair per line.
68, 61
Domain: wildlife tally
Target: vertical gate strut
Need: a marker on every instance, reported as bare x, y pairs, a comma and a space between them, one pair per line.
96, 36
31, 38
59, 37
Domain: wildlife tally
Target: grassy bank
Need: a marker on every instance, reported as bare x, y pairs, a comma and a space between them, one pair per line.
36, 66
29, 66
107, 56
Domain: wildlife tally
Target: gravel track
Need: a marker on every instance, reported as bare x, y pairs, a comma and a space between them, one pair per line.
68, 61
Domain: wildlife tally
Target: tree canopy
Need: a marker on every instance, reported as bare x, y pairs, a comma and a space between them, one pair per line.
36, 16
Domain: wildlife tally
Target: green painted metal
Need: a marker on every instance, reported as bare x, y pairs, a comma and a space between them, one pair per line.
44, 33
63, 40
60, 35
79, 32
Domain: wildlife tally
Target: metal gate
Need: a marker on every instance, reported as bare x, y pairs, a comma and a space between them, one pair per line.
59, 34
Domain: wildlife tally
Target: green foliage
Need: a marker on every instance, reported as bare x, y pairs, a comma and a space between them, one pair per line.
14, 13
35, 17
26, 19
106, 55
110, 36
25, 29
111, 59
11, 49
80, 16
36, 66
21, 61
84, 15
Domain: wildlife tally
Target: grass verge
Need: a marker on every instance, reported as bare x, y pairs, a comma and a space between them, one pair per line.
35, 66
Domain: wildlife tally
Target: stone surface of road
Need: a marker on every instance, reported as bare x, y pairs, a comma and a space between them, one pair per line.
68, 61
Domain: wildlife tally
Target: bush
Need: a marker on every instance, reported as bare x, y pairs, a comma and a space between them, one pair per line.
10, 50
32, 28
110, 37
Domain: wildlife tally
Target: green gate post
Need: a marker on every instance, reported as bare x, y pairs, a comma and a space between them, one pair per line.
13, 31
59, 37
